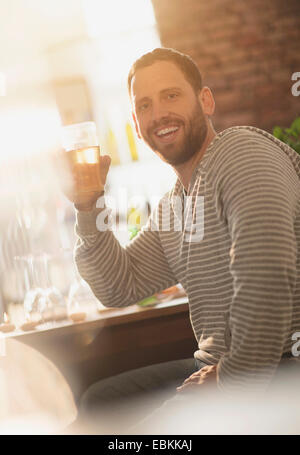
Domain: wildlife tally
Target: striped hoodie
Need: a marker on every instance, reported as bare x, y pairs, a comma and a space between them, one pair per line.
232, 241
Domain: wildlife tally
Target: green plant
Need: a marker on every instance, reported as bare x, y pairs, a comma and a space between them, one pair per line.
133, 231
290, 136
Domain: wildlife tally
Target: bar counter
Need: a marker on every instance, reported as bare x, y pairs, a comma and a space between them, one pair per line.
113, 341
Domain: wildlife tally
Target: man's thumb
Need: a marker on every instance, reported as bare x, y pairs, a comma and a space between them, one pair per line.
104, 166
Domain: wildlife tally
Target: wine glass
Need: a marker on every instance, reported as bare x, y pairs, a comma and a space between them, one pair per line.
43, 302
34, 302
80, 299
54, 302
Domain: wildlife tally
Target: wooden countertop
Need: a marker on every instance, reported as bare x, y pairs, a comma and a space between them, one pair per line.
112, 341
105, 318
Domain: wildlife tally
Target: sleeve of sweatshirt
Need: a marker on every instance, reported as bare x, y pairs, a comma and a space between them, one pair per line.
257, 194
120, 276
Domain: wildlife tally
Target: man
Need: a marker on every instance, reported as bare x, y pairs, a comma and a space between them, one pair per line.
239, 263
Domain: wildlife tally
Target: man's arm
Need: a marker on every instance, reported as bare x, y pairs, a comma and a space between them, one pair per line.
257, 193
120, 276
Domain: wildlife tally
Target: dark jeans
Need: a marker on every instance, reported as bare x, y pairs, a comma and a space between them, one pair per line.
115, 404
144, 401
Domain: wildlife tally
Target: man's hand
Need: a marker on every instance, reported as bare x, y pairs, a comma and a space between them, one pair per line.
207, 375
84, 200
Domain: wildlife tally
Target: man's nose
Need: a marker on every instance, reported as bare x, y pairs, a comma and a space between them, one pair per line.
159, 112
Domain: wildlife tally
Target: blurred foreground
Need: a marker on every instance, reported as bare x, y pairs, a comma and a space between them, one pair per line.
35, 399
34, 396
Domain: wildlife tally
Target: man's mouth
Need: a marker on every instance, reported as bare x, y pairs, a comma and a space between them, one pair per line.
167, 133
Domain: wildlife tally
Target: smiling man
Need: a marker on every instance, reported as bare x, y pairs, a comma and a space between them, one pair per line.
172, 113
242, 277
170, 118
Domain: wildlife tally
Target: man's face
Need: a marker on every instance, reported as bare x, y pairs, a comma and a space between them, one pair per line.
168, 113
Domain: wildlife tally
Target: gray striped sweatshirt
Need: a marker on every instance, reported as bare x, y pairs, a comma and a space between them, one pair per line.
232, 242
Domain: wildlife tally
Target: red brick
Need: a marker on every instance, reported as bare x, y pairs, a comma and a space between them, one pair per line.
246, 53
237, 118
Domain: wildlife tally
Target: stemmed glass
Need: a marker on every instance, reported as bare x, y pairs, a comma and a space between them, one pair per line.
80, 299
54, 301
34, 301
43, 302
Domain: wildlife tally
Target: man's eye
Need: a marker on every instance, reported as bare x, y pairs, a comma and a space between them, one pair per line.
143, 107
172, 96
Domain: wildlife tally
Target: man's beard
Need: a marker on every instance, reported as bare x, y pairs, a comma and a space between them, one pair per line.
195, 131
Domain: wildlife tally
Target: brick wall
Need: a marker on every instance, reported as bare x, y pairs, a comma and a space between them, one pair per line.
247, 52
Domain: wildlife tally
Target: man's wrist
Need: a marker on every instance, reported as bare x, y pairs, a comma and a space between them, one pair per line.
84, 208
87, 207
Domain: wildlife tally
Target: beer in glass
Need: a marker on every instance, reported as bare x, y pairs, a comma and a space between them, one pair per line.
82, 152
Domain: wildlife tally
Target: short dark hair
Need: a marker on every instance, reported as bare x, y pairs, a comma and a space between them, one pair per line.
185, 63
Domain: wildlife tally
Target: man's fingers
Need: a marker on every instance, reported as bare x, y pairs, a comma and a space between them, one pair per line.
189, 385
196, 379
198, 374
191, 379
206, 375
105, 161
104, 167
195, 375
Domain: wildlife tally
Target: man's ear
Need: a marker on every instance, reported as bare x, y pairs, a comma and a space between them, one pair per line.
207, 101
136, 125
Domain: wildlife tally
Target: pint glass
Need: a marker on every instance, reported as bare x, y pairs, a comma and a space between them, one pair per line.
80, 143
